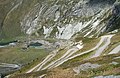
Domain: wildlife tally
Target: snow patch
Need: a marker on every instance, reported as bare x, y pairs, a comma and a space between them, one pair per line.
96, 23
69, 30
115, 31
47, 31
79, 45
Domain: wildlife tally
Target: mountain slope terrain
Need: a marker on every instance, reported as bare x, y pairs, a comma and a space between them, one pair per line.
60, 38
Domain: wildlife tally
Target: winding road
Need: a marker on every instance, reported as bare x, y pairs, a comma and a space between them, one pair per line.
58, 61
99, 48
39, 66
106, 40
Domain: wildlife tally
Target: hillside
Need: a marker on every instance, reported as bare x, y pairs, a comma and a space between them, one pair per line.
60, 38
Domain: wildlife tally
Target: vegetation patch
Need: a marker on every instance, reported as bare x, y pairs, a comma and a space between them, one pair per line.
20, 56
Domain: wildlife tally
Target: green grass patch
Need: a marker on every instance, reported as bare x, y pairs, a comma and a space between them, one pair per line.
76, 60
18, 56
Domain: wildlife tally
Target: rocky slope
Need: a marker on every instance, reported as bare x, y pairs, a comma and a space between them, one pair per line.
58, 18
84, 35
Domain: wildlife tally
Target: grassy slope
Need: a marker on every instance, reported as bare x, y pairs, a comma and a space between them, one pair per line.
17, 55
11, 20
65, 70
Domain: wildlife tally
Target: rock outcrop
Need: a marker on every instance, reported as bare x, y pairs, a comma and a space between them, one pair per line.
58, 18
